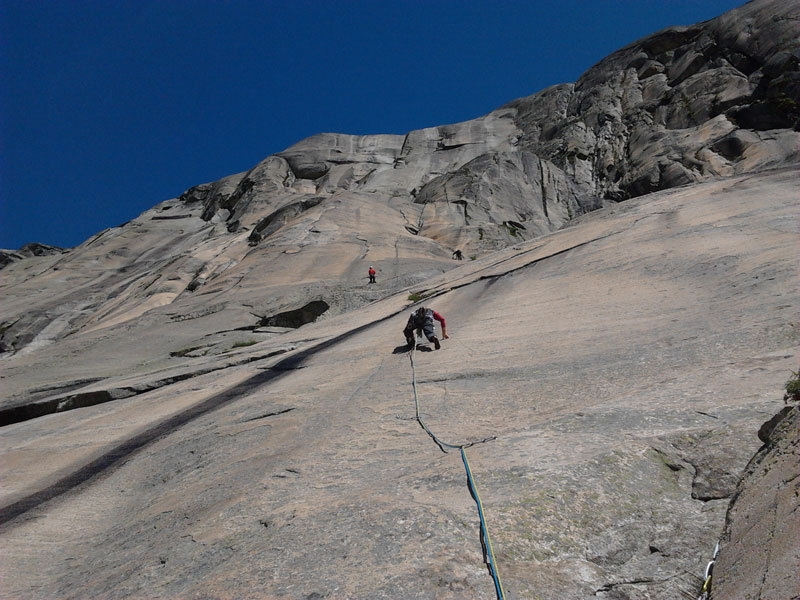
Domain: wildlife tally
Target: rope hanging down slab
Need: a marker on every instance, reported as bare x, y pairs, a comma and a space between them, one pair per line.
486, 543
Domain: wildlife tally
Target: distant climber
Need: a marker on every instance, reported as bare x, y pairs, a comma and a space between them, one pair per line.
421, 320
457, 255
372, 273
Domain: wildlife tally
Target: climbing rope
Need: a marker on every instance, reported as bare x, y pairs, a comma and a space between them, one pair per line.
706, 589
486, 543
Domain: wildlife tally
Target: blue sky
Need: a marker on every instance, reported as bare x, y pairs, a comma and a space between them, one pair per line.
108, 107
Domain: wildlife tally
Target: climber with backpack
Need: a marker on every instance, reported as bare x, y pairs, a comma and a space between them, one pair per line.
421, 321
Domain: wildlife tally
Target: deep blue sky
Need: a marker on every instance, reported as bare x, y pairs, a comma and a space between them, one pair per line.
108, 107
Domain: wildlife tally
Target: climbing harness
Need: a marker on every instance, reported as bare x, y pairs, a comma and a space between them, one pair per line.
486, 543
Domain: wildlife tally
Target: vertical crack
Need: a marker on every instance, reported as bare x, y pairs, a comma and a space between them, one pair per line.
543, 188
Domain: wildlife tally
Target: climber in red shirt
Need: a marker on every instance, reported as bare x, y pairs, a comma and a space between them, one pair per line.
371, 273
421, 320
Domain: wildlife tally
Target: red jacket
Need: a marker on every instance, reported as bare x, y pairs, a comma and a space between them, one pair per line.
439, 318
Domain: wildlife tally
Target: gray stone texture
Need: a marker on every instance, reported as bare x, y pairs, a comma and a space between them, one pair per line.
762, 527
211, 401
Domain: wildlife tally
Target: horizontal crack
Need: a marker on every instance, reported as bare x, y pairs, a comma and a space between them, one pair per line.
41, 408
272, 414
610, 586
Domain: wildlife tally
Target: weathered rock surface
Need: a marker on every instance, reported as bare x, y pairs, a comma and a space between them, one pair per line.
688, 103
622, 366
28, 250
685, 105
207, 401
760, 551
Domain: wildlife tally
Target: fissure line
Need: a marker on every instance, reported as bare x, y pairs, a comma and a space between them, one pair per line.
486, 543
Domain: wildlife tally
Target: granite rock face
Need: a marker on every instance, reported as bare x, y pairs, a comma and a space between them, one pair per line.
688, 103
28, 250
212, 401
684, 105
609, 379
759, 549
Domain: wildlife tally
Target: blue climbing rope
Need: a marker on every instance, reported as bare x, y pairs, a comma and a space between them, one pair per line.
486, 543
